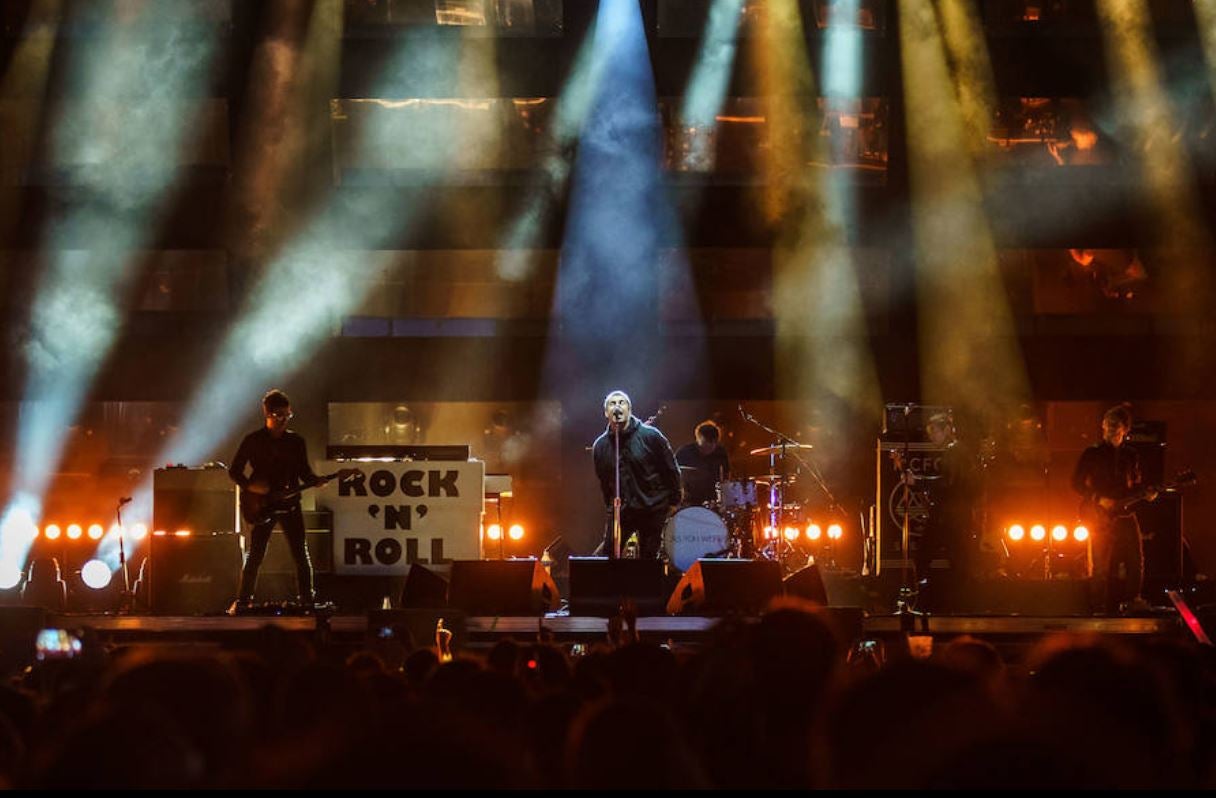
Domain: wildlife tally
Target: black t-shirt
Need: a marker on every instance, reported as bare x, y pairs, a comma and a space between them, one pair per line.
282, 463
710, 468
1106, 472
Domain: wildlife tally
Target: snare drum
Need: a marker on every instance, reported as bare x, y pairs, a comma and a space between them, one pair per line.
737, 493
691, 534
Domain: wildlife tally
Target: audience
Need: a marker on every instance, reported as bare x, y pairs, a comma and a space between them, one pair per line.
781, 702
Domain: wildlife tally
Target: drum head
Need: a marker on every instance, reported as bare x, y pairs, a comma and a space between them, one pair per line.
691, 534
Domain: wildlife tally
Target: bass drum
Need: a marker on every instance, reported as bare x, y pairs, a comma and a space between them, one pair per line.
691, 534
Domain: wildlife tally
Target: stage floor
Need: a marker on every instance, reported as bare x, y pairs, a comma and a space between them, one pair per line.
565, 628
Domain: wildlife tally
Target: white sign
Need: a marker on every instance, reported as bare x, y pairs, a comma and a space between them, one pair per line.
388, 515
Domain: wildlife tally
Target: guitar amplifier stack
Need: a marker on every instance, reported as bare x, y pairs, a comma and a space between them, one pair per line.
202, 500
196, 573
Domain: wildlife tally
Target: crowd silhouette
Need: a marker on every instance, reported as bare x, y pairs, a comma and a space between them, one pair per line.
780, 702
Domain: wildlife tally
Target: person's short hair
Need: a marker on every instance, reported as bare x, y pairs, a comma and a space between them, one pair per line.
1119, 414
614, 393
275, 400
709, 431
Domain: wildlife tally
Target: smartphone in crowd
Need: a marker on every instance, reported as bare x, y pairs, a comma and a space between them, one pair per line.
54, 644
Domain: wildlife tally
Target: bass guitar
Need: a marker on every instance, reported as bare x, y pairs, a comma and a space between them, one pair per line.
261, 508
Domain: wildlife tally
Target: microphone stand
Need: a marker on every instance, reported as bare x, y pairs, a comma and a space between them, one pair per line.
126, 601
616, 501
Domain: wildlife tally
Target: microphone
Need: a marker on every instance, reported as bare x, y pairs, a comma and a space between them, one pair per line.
741, 412
124, 500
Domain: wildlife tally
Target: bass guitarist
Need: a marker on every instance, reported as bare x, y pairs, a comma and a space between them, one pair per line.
1107, 474
279, 461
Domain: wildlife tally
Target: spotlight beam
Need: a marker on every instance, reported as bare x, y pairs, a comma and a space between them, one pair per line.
1145, 113
970, 355
317, 276
121, 139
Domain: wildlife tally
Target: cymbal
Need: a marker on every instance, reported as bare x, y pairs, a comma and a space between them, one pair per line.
690, 468
765, 479
778, 448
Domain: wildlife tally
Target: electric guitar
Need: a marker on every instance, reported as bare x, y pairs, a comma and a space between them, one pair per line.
261, 508
1093, 512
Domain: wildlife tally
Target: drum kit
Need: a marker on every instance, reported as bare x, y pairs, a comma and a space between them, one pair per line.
745, 518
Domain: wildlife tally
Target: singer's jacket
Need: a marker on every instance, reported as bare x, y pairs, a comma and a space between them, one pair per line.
650, 478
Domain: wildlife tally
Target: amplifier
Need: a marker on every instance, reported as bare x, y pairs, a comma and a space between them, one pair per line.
908, 421
198, 499
195, 574
458, 452
926, 462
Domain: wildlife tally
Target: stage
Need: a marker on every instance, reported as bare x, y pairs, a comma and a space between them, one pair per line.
481, 631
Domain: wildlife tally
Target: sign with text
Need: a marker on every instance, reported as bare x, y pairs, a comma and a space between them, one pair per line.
389, 515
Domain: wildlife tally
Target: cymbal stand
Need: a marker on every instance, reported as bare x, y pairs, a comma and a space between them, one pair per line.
777, 547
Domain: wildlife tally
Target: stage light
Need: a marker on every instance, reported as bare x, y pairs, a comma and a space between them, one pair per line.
768, 533
74, 531
1016, 532
52, 532
494, 532
96, 531
1038, 532
516, 532
139, 531
813, 532
10, 576
1059, 532
835, 531
96, 574
791, 533
182, 533
1080, 534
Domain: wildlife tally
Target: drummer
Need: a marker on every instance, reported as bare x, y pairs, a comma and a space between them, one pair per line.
703, 464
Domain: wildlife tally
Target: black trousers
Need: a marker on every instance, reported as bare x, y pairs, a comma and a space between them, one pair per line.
648, 524
292, 523
1118, 554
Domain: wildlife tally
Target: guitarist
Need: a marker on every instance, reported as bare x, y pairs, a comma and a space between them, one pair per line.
1106, 473
279, 459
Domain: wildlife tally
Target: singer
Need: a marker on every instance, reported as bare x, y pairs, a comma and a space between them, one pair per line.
649, 477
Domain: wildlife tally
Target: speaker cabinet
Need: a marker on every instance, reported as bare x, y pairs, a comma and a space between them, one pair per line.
598, 586
193, 575
501, 587
1161, 529
202, 500
716, 587
807, 583
424, 589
